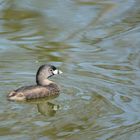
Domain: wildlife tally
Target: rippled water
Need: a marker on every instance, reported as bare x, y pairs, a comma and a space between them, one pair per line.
96, 44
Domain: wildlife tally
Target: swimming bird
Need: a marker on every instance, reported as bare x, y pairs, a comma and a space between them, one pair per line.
44, 87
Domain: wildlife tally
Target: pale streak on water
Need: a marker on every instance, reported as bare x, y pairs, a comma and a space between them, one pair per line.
96, 44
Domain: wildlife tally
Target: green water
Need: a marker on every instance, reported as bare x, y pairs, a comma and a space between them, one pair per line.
96, 43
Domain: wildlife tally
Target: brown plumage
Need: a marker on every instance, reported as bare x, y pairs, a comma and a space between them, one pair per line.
43, 89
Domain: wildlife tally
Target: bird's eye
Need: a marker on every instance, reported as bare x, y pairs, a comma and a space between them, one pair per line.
51, 70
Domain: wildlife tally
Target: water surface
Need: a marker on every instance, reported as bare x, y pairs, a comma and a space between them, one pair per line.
96, 44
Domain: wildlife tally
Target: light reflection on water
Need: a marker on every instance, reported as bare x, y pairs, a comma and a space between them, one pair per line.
96, 44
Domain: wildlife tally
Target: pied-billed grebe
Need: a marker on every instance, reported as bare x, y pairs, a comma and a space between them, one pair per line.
44, 87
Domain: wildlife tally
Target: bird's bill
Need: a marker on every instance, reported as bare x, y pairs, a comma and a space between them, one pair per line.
57, 72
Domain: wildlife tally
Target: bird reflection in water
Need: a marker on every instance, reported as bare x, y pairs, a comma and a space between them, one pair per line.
48, 108
45, 107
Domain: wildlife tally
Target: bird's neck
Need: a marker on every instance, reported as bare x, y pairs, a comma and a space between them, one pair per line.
41, 81
44, 82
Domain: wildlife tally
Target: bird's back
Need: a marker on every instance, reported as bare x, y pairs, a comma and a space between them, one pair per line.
35, 92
